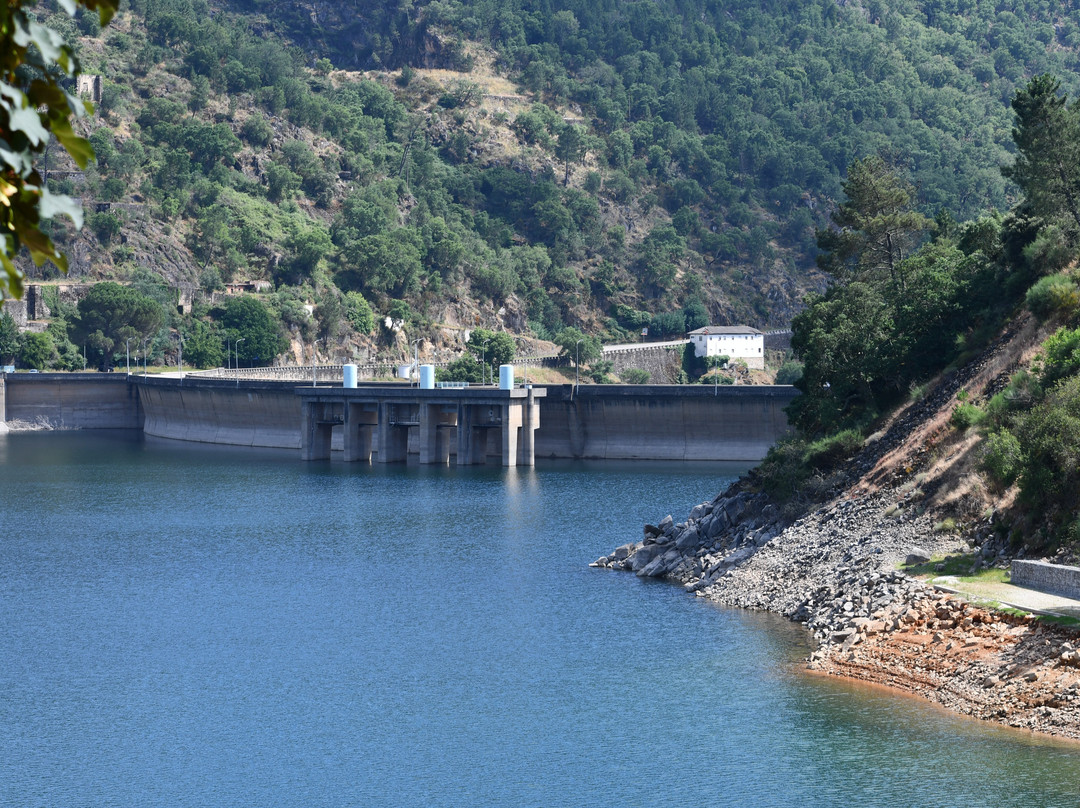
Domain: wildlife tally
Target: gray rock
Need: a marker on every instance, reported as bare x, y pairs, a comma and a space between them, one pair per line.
719, 523
687, 539
763, 537
738, 556
916, 555
644, 556
661, 565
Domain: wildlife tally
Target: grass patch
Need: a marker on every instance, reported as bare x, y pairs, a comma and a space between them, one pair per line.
959, 567
1060, 620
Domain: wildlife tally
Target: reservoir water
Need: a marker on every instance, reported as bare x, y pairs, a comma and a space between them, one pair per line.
191, 626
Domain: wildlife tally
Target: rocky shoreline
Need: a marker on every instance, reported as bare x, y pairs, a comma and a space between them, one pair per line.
836, 571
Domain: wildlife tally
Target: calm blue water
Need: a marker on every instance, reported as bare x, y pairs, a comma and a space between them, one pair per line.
188, 626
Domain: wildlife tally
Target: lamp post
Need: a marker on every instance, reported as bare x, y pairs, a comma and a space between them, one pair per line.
483, 364
228, 352
416, 359
577, 363
236, 346
144, 358
127, 351
180, 355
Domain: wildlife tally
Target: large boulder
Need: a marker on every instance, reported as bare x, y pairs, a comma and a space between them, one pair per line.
688, 539
699, 511
645, 554
916, 555
661, 565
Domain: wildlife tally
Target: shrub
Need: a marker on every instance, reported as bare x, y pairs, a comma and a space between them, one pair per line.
966, 416
256, 130
37, 351
1052, 295
782, 472
1003, 458
359, 313
105, 226
1062, 356
635, 376
790, 372
829, 451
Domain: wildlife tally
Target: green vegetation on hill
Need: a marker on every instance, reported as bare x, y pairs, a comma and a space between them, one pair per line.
605, 167
892, 319
656, 155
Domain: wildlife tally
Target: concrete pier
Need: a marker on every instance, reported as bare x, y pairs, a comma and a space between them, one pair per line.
380, 420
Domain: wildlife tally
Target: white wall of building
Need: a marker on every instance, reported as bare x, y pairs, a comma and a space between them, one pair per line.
748, 347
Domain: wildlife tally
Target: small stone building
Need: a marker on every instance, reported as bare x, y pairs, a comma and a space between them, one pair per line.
89, 87
734, 341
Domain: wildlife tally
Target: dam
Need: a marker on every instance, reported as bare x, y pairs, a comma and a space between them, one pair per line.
608, 422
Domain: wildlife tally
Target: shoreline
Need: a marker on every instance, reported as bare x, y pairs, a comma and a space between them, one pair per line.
835, 571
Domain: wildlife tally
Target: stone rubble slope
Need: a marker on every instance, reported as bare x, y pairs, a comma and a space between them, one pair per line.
836, 571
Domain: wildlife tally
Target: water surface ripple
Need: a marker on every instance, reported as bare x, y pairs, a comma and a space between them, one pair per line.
191, 626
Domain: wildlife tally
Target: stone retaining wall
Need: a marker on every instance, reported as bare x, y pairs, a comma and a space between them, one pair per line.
1056, 578
662, 363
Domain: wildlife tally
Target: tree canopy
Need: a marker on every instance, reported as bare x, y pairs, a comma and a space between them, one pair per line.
112, 316
258, 331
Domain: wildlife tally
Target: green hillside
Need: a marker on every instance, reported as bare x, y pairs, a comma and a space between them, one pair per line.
527, 167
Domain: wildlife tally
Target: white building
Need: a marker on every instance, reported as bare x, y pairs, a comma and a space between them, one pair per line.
732, 341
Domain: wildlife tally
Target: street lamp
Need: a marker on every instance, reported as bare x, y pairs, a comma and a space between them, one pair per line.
236, 345
483, 364
144, 358
577, 362
228, 352
127, 350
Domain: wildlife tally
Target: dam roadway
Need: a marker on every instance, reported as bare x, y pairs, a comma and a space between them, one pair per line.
611, 422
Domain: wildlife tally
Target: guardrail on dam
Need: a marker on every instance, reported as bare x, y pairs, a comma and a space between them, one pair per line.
652, 422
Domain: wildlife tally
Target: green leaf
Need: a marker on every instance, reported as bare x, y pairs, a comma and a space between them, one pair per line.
79, 148
105, 9
49, 42
11, 279
26, 121
53, 205
20, 161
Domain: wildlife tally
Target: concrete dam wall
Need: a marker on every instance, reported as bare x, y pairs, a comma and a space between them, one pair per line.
70, 400
647, 422
662, 422
264, 414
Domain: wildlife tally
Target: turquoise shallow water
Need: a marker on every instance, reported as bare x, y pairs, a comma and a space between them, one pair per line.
191, 626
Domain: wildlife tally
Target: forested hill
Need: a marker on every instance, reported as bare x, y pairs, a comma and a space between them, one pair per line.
532, 166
